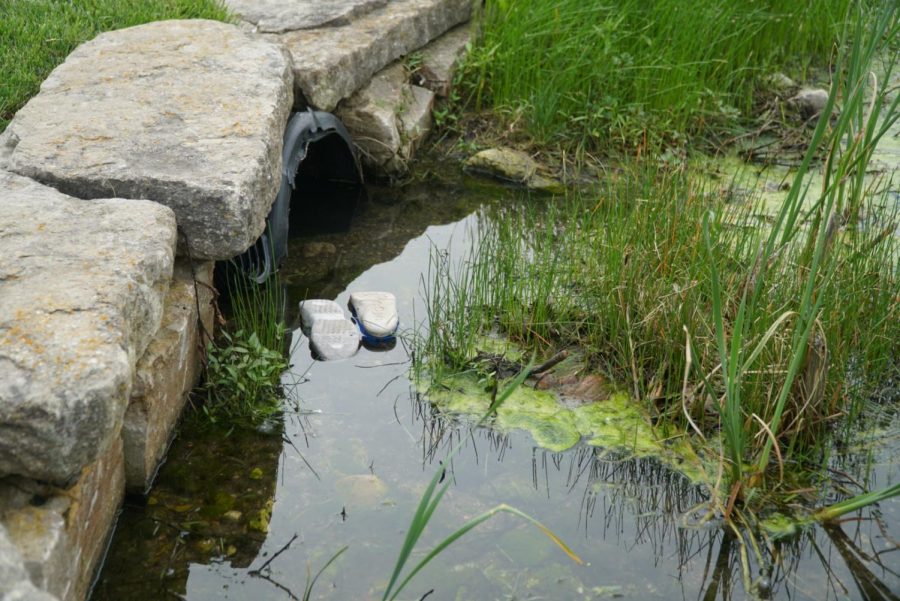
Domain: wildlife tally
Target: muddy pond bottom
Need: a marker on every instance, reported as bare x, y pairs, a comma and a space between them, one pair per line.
251, 515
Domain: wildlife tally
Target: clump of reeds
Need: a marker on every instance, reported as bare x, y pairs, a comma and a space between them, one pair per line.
245, 363
589, 74
761, 334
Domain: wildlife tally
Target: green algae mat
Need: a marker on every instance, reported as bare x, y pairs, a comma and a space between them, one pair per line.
616, 425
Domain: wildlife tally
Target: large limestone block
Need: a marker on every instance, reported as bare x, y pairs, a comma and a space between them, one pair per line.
82, 285
278, 16
61, 535
330, 63
387, 119
15, 585
166, 373
370, 116
187, 113
6, 148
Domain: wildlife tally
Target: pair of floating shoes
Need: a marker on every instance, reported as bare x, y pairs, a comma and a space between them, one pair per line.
332, 336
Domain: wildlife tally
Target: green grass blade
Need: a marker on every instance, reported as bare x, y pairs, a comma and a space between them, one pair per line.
439, 548
835, 511
312, 582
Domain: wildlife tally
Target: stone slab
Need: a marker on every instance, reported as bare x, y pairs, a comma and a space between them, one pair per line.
330, 63
187, 113
82, 285
6, 148
278, 16
439, 60
166, 373
62, 535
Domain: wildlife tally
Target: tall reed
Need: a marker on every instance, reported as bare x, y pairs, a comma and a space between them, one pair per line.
815, 249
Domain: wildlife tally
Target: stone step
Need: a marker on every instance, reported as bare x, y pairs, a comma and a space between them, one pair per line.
387, 119
439, 59
330, 63
190, 114
83, 284
167, 372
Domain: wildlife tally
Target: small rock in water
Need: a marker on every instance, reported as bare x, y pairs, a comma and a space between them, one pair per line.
365, 490
314, 310
232, 516
512, 166
332, 339
809, 101
376, 313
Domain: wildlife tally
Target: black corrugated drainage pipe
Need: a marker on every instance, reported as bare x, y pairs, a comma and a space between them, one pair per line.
320, 143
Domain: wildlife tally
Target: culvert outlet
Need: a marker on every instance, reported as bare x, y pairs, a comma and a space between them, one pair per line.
317, 151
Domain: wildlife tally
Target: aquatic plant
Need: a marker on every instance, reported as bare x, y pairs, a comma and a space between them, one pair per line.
810, 252
756, 334
592, 75
245, 363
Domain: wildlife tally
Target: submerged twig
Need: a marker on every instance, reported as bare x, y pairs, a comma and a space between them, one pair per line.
274, 556
549, 363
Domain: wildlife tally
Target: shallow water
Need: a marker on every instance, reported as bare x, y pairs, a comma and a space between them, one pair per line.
237, 515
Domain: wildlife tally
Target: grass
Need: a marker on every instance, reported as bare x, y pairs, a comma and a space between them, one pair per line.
37, 35
245, 364
596, 75
864, 118
761, 338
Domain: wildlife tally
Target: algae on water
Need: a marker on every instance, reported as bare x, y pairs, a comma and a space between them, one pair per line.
617, 424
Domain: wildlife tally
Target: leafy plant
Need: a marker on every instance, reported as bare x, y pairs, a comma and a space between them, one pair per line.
246, 362
242, 378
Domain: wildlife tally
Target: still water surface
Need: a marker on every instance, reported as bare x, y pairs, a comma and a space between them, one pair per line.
244, 515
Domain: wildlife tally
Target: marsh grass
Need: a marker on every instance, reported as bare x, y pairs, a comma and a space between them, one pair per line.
768, 334
592, 75
245, 363
815, 254
37, 35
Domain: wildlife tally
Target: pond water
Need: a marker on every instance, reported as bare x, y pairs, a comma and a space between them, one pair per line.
245, 515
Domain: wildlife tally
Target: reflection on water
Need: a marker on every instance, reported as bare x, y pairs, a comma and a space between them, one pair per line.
240, 516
